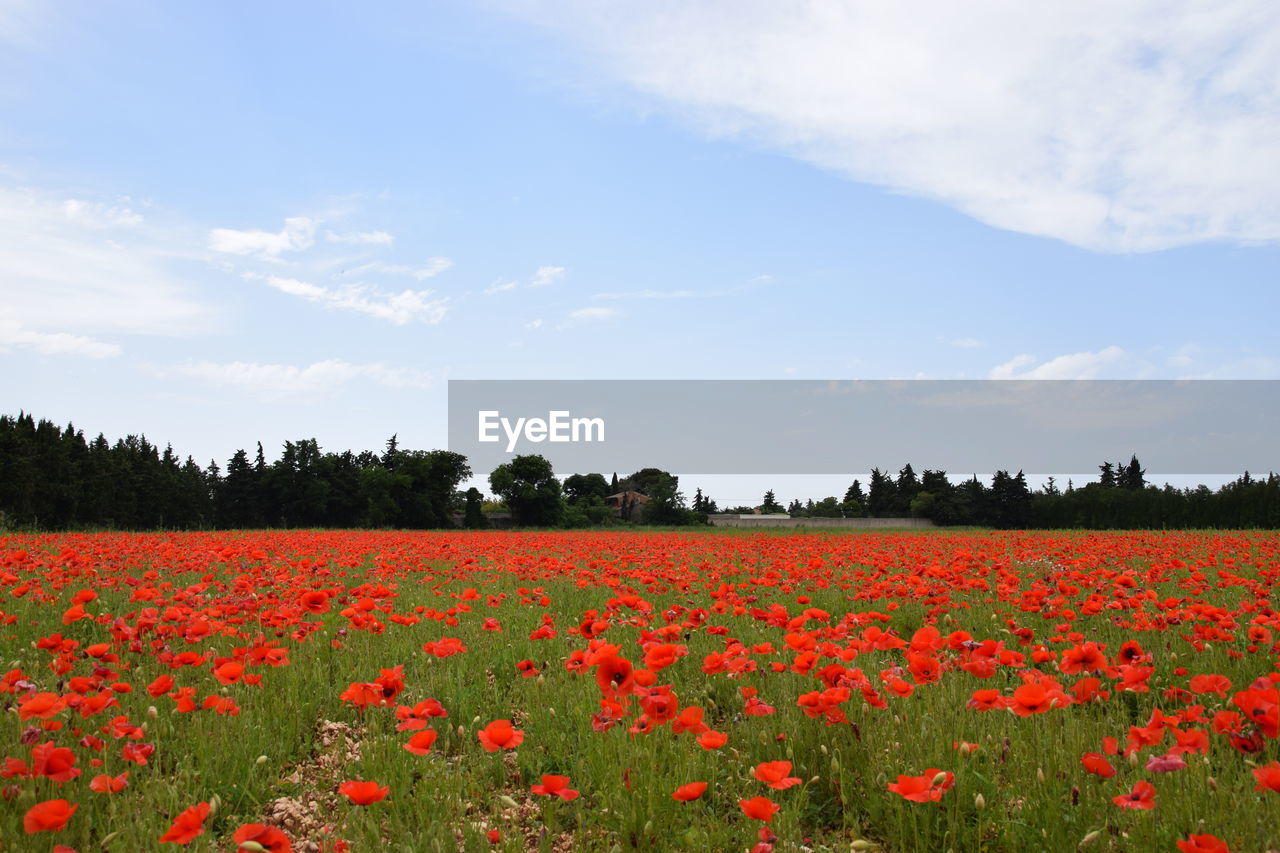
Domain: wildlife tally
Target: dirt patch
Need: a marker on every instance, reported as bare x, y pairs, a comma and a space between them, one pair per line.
307, 816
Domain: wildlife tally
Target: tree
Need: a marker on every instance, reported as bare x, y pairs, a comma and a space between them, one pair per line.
881, 494
770, 503
1132, 476
905, 489
582, 487
666, 503
828, 507
528, 486
1108, 475
473, 518
645, 481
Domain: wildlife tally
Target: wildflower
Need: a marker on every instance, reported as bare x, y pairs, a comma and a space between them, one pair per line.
759, 808
927, 787
691, 791
500, 735
49, 816
363, 793
1143, 796
187, 825
555, 786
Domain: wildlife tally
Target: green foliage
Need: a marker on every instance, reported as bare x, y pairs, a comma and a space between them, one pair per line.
583, 487
528, 486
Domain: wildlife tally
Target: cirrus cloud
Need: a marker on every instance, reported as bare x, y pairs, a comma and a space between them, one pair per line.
1115, 126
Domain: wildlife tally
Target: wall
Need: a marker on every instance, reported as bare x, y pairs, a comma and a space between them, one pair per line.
772, 521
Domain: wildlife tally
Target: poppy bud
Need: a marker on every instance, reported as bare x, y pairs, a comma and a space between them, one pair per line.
461, 731
814, 779
1133, 759
940, 778
551, 711
979, 802
835, 765
1212, 783
253, 847
823, 748
260, 760
152, 712
648, 827
508, 802
1090, 838
860, 845
1040, 775
108, 839
214, 802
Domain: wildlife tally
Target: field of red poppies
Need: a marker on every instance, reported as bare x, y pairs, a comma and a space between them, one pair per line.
330, 691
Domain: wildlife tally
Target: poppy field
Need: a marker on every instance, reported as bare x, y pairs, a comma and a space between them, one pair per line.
598, 691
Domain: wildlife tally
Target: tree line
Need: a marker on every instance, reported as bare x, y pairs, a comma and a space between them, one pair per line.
52, 477
1120, 498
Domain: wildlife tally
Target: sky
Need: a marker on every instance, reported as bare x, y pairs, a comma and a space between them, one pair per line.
238, 222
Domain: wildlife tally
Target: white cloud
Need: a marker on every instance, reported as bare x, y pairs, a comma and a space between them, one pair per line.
547, 275
432, 268
364, 238
966, 343
592, 314
1116, 126
14, 336
1184, 357
651, 294
69, 265
397, 308
298, 233
534, 324
500, 286
319, 376
95, 215
1080, 365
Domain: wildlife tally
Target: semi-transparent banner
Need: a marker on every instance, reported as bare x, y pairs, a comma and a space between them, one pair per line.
826, 427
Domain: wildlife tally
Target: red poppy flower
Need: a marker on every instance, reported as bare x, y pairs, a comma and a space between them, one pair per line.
106, 784
49, 816
41, 706
929, 786
1268, 776
1097, 764
267, 837
712, 739
691, 791
1031, 699
554, 786
500, 735
420, 743
759, 808
363, 793
1203, 844
774, 774
1143, 796
187, 825
1219, 685
54, 762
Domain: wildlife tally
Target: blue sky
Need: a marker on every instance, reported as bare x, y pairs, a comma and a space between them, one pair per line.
232, 222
